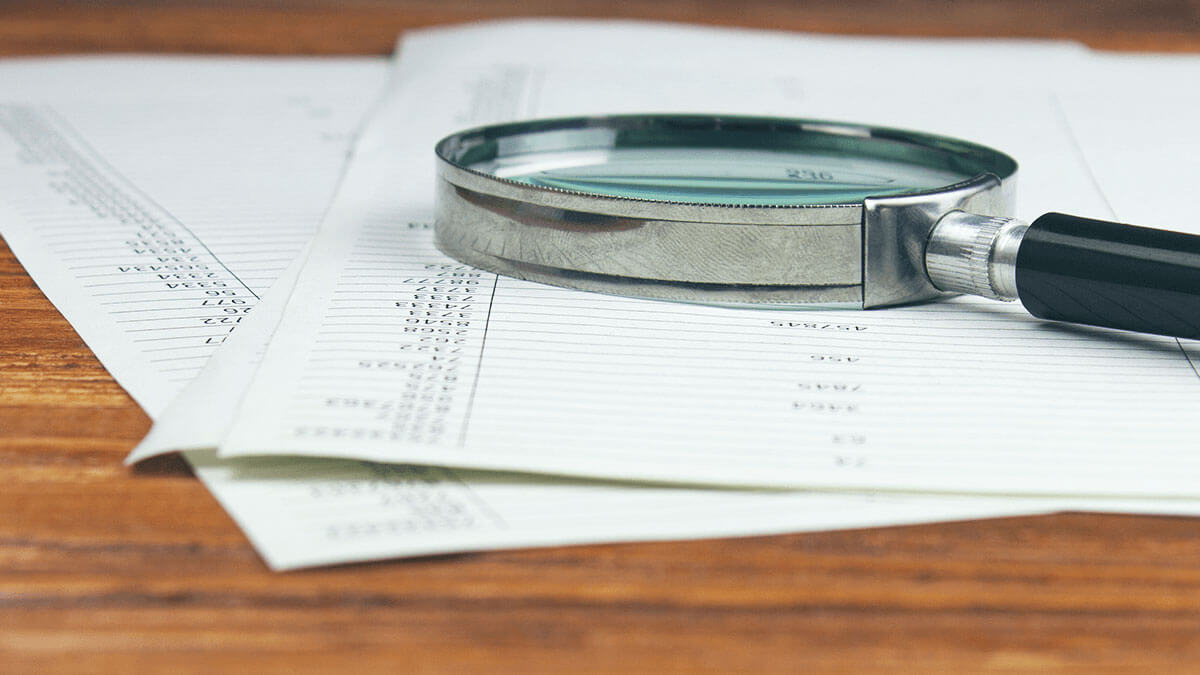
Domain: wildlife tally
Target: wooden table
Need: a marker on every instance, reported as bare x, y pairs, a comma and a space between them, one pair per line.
107, 569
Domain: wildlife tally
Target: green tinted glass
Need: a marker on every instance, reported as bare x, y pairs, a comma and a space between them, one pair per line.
719, 160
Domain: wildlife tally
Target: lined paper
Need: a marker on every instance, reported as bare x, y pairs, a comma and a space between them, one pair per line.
156, 200
392, 353
300, 512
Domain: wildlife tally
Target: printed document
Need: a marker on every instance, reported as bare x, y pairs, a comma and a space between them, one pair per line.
305, 512
390, 352
154, 200
125, 164
302, 512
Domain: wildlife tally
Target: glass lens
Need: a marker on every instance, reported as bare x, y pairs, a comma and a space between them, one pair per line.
740, 176
739, 161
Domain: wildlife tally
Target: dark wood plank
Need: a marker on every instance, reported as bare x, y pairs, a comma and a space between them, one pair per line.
370, 27
103, 569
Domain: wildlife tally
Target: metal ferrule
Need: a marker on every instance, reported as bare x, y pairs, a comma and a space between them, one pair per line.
974, 254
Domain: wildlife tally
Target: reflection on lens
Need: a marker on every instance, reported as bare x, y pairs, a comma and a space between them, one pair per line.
724, 176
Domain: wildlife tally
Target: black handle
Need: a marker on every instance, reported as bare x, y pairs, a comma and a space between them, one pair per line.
1109, 274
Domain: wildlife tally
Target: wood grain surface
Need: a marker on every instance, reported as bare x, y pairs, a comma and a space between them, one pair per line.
104, 569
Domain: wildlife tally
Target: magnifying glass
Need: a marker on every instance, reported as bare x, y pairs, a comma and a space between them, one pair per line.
795, 213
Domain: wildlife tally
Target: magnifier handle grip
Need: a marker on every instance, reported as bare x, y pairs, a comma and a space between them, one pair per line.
1109, 274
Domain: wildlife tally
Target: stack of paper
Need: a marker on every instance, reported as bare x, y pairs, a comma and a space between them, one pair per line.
155, 201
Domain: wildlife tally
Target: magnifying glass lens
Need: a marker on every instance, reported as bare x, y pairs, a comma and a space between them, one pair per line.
728, 176
703, 208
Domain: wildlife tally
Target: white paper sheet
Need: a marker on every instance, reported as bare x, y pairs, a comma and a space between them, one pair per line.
154, 200
392, 353
305, 512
